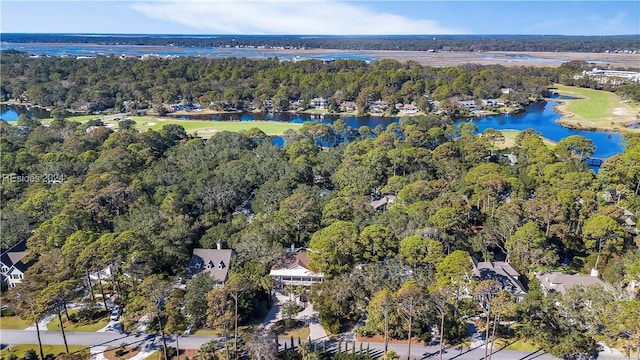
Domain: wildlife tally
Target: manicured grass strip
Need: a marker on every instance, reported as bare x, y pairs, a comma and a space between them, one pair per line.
595, 109
592, 104
13, 323
301, 333
54, 325
76, 118
519, 345
207, 332
153, 356
21, 350
205, 128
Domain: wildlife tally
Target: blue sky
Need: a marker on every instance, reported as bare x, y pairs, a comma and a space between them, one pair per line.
340, 17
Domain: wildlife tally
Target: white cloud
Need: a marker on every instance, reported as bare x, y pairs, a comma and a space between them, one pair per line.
316, 17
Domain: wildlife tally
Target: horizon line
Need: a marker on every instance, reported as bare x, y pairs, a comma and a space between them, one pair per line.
302, 34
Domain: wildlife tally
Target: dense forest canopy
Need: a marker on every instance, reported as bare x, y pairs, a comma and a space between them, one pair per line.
554, 43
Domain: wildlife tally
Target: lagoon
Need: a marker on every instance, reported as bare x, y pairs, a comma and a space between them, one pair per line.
542, 118
539, 116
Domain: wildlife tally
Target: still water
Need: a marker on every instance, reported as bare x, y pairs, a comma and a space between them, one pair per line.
538, 116
542, 118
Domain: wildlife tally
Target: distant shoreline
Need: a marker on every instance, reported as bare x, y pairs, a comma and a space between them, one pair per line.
429, 58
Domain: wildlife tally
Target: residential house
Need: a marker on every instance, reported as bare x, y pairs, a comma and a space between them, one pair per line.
501, 272
469, 104
348, 106
407, 108
216, 262
489, 102
293, 269
378, 106
560, 282
627, 217
507, 91
319, 103
12, 266
295, 105
379, 202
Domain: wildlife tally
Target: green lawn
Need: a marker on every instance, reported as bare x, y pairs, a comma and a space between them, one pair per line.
520, 345
76, 118
207, 128
203, 128
153, 356
13, 322
595, 109
20, 350
301, 333
54, 325
207, 332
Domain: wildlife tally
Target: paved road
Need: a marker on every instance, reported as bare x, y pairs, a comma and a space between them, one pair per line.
14, 337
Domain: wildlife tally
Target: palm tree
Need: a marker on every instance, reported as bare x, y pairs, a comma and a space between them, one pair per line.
290, 290
267, 283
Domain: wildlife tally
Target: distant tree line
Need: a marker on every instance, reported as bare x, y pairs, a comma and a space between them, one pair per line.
239, 84
555, 43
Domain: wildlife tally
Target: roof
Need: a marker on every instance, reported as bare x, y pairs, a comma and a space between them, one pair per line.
294, 263
13, 256
216, 262
384, 200
499, 271
556, 281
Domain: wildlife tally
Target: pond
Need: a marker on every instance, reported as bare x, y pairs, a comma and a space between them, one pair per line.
542, 118
539, 116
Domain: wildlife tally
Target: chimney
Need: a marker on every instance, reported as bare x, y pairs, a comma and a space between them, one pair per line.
219, 244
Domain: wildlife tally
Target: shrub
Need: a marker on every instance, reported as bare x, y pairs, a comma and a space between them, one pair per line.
121, 350
330, 322
30, 355
7, 312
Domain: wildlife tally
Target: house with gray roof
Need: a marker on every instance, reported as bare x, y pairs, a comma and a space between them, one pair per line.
216, 262
560, 282
12, 266
501, 272
380, 202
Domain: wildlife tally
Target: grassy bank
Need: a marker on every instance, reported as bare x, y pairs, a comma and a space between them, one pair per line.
596, 109
510, 140
13, 323
202, 128
93, 326
208, 128
21, 350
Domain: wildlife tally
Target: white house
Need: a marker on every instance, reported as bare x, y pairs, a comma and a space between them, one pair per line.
12, 267
319, 103
469, 104
407, 108
293, 269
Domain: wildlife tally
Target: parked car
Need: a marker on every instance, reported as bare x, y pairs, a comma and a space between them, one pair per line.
115, 314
